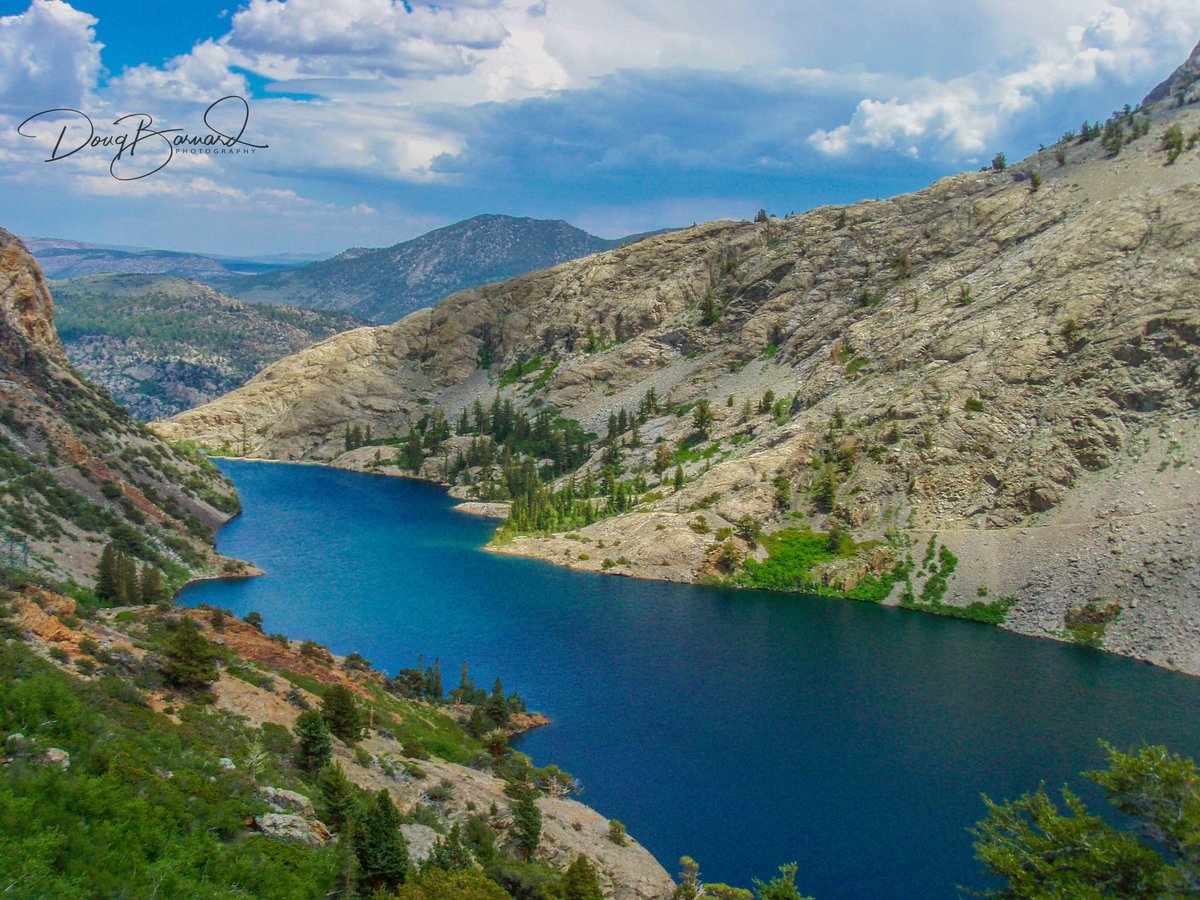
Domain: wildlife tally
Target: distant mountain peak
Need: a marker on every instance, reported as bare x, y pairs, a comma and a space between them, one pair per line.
386, 283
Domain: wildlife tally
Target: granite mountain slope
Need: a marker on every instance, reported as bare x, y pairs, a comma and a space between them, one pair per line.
76, 471
1004, 364
163, 344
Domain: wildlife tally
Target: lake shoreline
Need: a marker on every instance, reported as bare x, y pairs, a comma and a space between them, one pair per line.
560, 551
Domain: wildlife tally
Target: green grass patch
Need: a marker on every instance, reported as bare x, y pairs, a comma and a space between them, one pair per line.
516, 372
793, 553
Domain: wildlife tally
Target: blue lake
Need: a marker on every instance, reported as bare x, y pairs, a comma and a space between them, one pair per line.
745, 729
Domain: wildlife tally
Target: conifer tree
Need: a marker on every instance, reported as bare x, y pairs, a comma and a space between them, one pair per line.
679, 478
338, 796
527, 824
315, 747
450, 854
129, 591
379, 846
497, 705
340, 711
107, 578
152, 589
189, 662
580, 882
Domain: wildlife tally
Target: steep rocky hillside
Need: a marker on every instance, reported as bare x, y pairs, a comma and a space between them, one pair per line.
162, 344
234, 805
76, 471
979, 399
381, 285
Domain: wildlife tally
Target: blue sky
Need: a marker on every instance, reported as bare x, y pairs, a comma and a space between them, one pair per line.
385, 119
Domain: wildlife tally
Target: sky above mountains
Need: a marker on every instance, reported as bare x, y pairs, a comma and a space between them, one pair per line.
385, 119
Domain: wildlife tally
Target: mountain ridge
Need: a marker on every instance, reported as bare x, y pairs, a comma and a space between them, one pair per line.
383, 284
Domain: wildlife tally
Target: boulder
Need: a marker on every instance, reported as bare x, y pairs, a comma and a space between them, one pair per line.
287, 827
287, 801
56, 757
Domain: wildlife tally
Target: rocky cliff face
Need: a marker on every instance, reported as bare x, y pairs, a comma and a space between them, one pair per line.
76, 472
1007, 360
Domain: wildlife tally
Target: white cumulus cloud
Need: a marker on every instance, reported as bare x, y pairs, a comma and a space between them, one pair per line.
958, 117
48, 56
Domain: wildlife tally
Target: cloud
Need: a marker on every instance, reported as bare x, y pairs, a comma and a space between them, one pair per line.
48, 57
363, 38
202, 75
958, 118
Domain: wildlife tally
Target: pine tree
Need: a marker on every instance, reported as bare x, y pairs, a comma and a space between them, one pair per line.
435, 681
689, 880
710, 310
702, 417
497, 706
449, 854
338, 796
679, 478
527, 824
107, 579
152, 589
189, 662
580, 882
129, 591
379, 846
341, 713
315, 747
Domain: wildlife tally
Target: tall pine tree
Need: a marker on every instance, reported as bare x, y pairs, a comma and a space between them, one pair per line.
379, 846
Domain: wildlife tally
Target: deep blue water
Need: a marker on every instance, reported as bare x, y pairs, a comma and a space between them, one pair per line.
745, 729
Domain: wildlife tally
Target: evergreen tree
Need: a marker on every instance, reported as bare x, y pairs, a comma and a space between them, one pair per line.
435, 681
315, 747
497, 705
338, 796
152, 589
340, 711
679, 478
189, 662
527, 824
449, 854
379, 846
254, 620
1042, 852
702, 417
782, 886
129, 591
580, 882
710, 310
689, 880
107, 578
